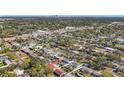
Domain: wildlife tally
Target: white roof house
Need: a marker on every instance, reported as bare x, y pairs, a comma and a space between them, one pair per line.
19, 72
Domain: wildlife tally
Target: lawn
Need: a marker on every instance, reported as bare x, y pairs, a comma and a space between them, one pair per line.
106, 74
1, 64
121, 47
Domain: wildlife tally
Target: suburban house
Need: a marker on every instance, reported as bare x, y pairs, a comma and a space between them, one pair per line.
19, 72
5, 60
58, 72
86, 69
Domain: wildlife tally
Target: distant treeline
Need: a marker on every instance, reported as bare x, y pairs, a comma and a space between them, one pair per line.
11, 26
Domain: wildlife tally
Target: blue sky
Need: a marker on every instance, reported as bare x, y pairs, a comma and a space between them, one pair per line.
61, 7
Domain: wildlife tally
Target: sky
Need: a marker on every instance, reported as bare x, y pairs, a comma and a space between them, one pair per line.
61, 7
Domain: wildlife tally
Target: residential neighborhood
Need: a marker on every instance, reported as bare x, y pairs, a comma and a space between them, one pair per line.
62, 47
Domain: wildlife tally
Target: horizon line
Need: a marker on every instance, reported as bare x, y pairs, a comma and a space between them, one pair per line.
61, 15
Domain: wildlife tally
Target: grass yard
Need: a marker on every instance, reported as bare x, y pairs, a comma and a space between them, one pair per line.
1, 64
106, 74
121, 47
